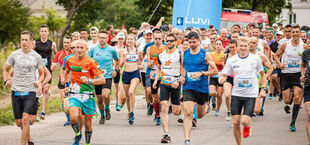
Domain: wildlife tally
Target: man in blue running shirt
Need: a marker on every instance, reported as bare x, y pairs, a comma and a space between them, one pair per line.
198, 65
104, 54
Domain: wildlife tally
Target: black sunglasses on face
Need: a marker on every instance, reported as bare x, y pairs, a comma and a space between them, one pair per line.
169, 41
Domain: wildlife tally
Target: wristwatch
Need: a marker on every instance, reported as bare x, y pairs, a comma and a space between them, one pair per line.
265, 88
4, 81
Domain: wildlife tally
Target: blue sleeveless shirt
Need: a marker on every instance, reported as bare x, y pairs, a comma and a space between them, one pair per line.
195, 63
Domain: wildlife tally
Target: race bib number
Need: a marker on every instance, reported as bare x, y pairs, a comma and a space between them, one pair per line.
168, 79
153, 74
75, 88
81, 97
45, 61
245, 82
132, 57
190, 78
293, 63
21, 93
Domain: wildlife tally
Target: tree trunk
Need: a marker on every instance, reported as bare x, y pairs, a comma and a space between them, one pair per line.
71, 14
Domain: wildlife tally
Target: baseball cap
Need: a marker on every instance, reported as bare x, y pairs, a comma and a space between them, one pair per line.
275, 25
93, 28
192, 35
147, 32
120, 35
279, 33
156, 29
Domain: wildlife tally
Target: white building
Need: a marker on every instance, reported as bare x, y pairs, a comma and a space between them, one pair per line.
300, 13
36, 7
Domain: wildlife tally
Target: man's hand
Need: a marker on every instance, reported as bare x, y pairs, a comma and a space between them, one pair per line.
221, 80
8, 83
114, 73
262, 93
196, 75
175, 84
66, 90
182, 80
282, 66
303, 79
162, 19
84, 80
140, 67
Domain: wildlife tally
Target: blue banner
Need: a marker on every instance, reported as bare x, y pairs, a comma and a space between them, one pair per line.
196, 13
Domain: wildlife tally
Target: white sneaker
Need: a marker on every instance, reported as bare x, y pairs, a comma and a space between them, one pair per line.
228, 116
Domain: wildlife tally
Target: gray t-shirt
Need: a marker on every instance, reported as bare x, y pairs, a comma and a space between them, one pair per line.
306, 58
24, 66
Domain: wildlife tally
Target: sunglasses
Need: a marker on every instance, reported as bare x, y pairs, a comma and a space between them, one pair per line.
169, 41
72, 47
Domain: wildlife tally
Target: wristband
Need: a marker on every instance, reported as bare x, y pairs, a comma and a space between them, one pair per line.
67, 84
89, 81
202, 73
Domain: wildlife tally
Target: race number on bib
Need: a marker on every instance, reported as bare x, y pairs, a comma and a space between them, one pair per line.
168, 79
132, 58
190, 78
81, 97
245, 82
45, 61
75, 88
293, 63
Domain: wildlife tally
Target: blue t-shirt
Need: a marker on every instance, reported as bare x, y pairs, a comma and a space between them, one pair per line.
65, 60
104, 57
148, 70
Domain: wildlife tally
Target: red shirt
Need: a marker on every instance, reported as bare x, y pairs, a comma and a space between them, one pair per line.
225, 43
59, 58
110, 38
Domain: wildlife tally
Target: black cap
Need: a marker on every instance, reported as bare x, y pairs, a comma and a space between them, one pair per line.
156, 29
164, 28
192, 35
189, 28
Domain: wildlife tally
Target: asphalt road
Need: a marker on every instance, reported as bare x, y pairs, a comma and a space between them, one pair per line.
271, 129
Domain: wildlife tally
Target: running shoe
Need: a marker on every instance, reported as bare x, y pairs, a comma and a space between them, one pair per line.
131, 118
181, 118
42, 115
154, 117
187, 142
158, 122
165, 139
118, 107
30, 143
247, 131
194, 122
261, 113
217, 113
102, 120
108, 114
270, 96
292, 128
77, 139
67, 123
287, 109
150, 110
170, 110
228, 116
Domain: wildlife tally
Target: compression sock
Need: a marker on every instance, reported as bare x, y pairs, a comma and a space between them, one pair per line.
156, 108
102, 112
76, 129
295, 113
107, 107
88, 136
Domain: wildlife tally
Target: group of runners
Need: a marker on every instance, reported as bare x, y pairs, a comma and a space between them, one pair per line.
186, 73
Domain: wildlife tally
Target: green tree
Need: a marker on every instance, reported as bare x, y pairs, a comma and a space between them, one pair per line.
146, 7
272, 7
14, 16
